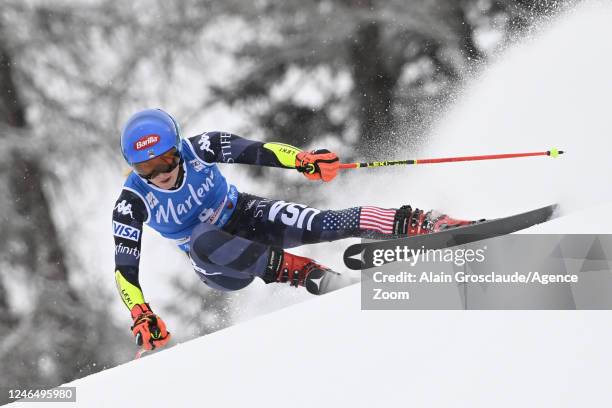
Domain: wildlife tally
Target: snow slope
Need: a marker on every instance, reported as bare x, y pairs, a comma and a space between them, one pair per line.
327, 352
550, 91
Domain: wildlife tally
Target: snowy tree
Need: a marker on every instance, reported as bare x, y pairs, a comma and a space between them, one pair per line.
372, 72
51, 332
374, 64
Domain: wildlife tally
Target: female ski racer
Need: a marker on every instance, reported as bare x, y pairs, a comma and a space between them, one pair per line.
231, 237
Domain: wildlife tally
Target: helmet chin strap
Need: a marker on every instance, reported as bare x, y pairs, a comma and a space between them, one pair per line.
179, 177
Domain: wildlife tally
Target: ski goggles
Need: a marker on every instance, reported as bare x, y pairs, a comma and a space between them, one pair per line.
164, 163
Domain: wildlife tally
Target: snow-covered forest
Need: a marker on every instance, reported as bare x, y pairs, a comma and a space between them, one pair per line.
369, 79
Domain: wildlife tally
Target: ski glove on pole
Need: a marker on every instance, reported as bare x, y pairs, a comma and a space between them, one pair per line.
318, 164
148, 328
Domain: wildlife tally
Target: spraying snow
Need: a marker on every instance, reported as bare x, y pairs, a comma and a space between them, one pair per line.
550, 91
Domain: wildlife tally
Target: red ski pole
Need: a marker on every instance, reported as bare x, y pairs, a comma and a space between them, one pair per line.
552, 153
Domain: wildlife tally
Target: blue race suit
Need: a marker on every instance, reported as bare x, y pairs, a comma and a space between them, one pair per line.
227, 234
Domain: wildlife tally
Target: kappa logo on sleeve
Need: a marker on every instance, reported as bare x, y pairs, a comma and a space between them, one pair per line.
124, 208
204, 143
125, 231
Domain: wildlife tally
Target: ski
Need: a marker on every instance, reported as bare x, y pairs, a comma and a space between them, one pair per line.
450, 238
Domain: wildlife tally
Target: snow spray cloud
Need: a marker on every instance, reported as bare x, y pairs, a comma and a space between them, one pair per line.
551, 90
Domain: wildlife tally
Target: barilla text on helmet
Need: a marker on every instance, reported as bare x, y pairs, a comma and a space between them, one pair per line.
146, 141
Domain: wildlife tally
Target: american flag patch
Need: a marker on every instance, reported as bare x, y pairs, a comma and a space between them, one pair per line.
341, 220
377, 219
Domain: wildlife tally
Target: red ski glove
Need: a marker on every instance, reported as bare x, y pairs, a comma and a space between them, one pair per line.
148, 328
318, 164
